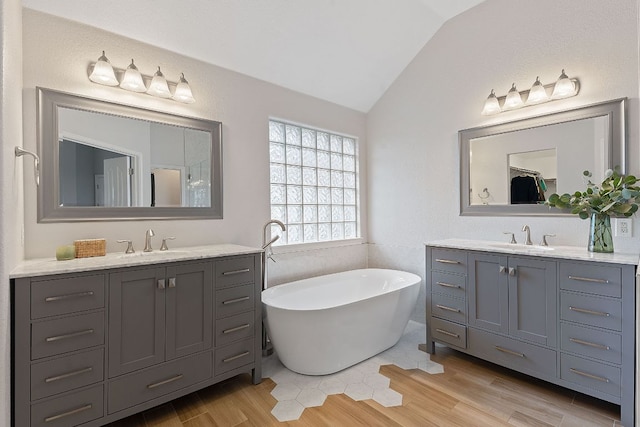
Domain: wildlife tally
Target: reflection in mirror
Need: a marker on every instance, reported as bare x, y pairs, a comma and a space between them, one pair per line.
512, 168
104, 160
532, 176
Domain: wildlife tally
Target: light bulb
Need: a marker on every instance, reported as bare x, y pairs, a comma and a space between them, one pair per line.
183, 91
537, 93
513, 99
564, 87
491, 105
159, 86
103, 72
132, 79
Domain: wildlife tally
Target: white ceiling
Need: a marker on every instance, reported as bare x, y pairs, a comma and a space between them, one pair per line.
344, 51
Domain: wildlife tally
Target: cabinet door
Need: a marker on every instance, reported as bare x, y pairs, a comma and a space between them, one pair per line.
488, 292
189, 308
136, 319
533, 300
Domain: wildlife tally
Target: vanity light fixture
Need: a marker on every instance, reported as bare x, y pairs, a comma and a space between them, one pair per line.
103, 72
564, 87
131, 79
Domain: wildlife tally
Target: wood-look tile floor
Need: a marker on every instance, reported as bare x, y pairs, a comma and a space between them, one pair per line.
471, 392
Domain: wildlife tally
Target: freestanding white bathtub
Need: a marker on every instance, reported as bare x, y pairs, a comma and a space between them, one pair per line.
325, 324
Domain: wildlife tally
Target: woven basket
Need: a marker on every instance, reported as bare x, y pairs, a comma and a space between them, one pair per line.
90, 247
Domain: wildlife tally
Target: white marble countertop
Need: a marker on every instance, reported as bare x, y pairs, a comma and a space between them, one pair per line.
563, 252
46, 266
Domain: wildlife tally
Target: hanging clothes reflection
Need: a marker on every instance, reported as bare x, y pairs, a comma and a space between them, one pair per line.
527, 186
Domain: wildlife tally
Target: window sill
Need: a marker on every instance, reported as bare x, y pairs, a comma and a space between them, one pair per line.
304, 247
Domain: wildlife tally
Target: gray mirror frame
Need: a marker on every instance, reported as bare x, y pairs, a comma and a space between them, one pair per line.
48, 102
615, 112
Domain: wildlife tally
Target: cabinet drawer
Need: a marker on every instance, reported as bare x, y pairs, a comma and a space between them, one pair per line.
235, 328
449, 332
591, 278
452, 285
67, 334
66, 373
591, 310
448, 308
450, 260
63, 296
234, 271
513, 354
235, 300
591, 374
133, 389
70, 410
233, 356
593, 343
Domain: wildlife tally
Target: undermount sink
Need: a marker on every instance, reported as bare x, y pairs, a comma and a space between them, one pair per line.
521, 247
151, 254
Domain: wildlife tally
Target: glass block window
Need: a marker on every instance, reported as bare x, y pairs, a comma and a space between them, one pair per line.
314, 184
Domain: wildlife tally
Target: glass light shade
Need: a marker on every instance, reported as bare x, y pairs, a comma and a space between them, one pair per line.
183, 91
564, 87
537, 93
513, 99
491, 105
159, 86
132, 79
103, 72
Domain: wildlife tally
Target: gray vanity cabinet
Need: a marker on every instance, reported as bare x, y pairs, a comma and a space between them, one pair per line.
570, 322
514, 296
158, 314
93, 347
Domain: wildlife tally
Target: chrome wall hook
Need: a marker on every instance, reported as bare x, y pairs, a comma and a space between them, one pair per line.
36, 162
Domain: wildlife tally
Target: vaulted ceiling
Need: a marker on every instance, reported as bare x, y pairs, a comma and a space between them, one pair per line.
343, 51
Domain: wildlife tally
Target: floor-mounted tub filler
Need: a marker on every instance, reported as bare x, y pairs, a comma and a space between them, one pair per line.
325, 324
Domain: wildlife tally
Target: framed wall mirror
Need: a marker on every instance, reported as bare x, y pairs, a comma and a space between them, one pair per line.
511, 168
105, 161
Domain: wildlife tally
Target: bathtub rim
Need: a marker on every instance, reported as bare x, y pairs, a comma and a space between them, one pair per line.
416, 280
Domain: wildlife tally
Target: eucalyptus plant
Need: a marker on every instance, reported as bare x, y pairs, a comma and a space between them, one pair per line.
617, 195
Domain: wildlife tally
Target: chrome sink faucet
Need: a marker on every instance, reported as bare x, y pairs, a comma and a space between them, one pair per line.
527, 230
147, 240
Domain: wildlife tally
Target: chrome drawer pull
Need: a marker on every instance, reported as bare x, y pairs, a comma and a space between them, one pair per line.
584, 310
66, 414
448, 285
72, 335
590, 344
68, 375
163, 382
238, 356
585, 374
451, 334
62, 297
231, 273
444, 307
513, 353
447, 261
233, 301
236, 329
588, 279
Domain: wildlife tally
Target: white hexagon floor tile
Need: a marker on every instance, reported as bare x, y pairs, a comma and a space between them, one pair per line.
295, 392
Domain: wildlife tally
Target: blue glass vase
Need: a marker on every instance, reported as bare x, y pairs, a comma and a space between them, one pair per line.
600, 238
